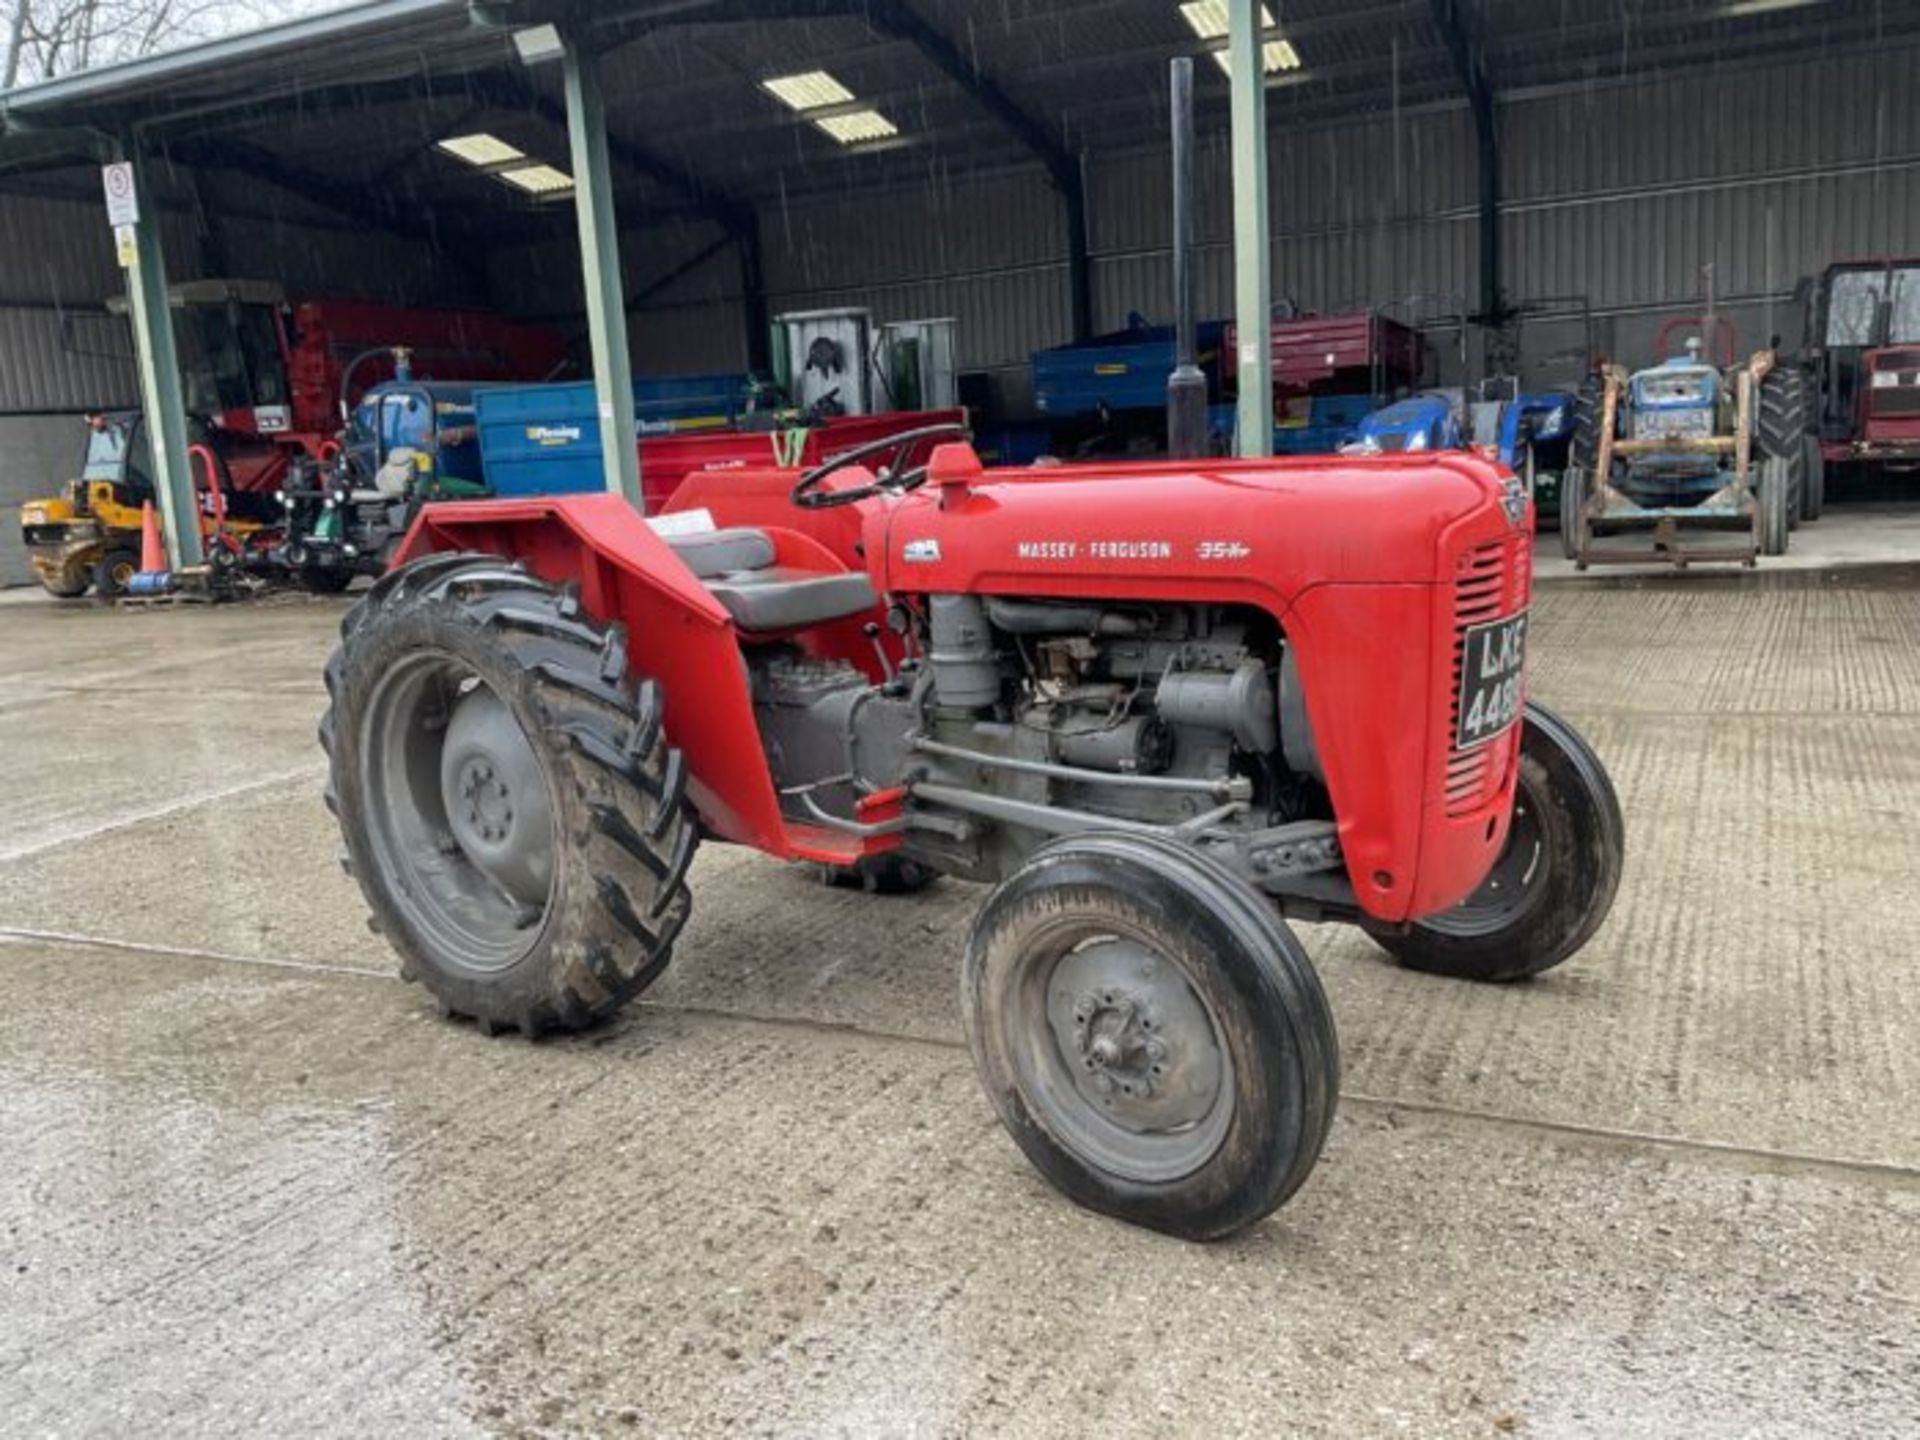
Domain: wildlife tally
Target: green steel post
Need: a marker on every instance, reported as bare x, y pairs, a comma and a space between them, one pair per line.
1252, 281
165, 415
600, 271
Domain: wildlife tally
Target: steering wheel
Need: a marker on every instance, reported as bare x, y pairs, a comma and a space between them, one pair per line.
893, 479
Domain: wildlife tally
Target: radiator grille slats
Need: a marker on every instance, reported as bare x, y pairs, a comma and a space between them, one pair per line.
1489, 582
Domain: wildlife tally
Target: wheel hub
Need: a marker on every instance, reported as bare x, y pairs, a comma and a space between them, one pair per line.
1136, 1040
496, 798
1114, 1034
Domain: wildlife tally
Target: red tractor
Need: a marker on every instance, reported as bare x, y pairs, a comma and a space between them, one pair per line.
1160, 708
1863, 343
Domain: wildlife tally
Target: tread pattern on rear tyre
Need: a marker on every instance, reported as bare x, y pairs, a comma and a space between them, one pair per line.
624, 832
1781, 427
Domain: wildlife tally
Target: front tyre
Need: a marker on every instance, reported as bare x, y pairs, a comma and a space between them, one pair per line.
1151, 1033
511, 809
1779, 505
1554, 883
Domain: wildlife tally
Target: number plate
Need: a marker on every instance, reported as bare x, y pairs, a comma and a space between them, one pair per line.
1493, 664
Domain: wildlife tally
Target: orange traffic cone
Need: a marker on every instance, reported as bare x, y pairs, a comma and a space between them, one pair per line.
153, 556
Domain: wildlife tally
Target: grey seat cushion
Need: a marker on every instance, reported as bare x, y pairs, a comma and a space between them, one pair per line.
715, 552
737, 568
782, 598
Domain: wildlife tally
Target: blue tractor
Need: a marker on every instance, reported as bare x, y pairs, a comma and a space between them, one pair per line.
1528, 433
1703, 460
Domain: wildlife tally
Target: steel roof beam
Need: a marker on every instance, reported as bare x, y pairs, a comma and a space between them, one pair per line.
1469, 60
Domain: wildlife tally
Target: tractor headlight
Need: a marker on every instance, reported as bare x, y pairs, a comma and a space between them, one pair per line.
1556, 417
1417, 440
348, 551
1886, 379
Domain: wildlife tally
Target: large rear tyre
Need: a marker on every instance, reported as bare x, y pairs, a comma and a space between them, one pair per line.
1554, 883
1783, 427
511, 809
1778, 504
1151, 1034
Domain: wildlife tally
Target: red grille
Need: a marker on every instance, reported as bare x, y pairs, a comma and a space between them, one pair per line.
1898, 403
1897, 360
1489, 581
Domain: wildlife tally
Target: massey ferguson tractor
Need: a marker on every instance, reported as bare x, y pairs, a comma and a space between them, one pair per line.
1161, 709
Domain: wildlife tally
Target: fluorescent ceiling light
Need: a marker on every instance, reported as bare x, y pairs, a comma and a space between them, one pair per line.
1737, 8
809, 90
536, 179
480, 149
857, 126
1208, 20
538, 44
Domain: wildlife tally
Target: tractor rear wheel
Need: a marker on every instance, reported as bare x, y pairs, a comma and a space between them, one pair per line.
1782, 428
511, 809
1552, 886
1777, 501
1151, 1033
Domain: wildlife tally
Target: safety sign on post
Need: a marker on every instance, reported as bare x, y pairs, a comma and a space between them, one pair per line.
123, 202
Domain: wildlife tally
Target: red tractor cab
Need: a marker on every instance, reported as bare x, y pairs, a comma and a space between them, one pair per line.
1863, 342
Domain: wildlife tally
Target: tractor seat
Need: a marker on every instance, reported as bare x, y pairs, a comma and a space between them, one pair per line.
737, 567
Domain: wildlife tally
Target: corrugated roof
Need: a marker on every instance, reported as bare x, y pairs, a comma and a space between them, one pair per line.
355, 97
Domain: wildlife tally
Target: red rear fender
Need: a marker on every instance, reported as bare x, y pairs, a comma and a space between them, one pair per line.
677, 634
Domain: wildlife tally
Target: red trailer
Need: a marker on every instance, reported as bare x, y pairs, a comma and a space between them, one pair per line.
1361, 351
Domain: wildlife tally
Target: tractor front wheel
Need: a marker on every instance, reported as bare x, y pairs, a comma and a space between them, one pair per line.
1151, 1033
1813, 482
1778, 505
1553, 884
511, 809
1573, 512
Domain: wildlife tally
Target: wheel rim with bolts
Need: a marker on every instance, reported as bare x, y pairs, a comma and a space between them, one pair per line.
459, 812
1123, 1060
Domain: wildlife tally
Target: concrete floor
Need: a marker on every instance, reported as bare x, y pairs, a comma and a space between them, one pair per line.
252, 1184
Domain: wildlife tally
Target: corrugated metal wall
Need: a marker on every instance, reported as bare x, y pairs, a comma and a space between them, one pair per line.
59, 351
1618, 193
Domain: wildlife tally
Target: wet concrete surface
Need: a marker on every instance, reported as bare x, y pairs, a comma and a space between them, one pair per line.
253, 1184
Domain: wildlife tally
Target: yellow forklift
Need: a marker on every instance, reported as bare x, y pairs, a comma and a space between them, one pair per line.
88, 537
